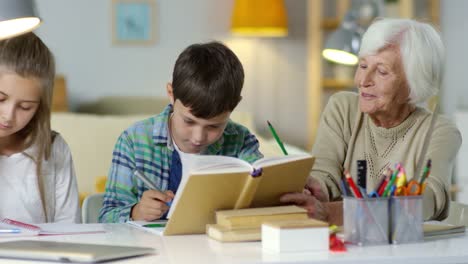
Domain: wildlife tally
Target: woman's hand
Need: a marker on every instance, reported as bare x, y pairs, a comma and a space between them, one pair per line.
314, 188
315, 208
152, 205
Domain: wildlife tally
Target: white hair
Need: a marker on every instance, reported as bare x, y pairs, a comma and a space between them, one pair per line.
421, 50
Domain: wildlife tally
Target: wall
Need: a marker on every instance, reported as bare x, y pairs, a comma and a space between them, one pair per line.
79, 34
455, 89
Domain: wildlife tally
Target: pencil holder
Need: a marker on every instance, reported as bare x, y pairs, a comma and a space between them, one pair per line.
366, 221
406, 219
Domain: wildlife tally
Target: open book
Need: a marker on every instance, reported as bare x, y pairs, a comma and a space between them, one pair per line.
222, 183
13, 228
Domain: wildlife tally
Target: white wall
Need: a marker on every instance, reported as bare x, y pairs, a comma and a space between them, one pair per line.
455, 89
79, 34
455, 35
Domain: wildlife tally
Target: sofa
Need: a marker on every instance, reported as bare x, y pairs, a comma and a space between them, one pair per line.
92, 136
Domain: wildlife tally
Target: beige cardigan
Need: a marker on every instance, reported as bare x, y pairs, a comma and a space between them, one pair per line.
346, 135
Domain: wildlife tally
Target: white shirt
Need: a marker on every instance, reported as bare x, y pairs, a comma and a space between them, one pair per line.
186, 160
19, 187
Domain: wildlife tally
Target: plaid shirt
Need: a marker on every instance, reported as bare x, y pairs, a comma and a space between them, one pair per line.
147, 146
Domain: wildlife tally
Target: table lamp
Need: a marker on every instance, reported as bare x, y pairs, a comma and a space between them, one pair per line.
17, 17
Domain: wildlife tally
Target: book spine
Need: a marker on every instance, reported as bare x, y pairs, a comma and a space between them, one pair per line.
255, 221
248, 192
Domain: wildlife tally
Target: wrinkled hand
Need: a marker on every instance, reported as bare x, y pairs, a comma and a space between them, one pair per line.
152, 205
314, 188
315, 208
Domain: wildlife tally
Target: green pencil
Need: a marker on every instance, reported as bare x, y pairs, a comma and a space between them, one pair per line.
426, 172
155, 225
277, 138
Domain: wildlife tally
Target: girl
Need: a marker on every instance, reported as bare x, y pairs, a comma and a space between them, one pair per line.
37, 178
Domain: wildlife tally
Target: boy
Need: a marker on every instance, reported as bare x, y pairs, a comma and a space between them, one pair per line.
206, 87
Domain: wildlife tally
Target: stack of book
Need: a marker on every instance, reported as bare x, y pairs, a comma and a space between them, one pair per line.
245, 224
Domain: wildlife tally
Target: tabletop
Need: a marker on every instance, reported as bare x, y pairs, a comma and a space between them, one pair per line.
202, 249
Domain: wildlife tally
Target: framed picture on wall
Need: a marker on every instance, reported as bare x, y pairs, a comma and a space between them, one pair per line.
134, 22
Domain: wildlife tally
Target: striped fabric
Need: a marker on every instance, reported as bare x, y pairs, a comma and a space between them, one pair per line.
147, 146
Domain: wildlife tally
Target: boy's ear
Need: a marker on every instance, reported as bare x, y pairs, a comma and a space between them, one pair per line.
170, 93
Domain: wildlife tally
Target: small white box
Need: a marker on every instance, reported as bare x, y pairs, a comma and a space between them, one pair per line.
295, 235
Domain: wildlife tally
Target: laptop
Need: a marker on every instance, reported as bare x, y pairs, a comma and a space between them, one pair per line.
68, 252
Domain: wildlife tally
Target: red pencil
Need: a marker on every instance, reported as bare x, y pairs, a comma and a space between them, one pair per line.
352, 185
381, 189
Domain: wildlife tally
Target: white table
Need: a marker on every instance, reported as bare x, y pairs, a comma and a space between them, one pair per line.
201, 249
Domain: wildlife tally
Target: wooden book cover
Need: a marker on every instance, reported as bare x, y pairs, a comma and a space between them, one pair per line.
254, 217
223, 183
225, 234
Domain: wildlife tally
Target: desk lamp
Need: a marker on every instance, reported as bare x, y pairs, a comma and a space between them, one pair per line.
17, 17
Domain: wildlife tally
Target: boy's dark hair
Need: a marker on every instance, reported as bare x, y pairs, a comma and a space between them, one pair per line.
208, 78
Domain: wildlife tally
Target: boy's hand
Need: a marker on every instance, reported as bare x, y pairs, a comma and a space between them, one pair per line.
152, 205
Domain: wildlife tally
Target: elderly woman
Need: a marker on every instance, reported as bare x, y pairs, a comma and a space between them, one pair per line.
400, 67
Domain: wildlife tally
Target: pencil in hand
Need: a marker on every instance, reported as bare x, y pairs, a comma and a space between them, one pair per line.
275, 135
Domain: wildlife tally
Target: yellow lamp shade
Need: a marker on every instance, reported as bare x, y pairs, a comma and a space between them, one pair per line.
259, 18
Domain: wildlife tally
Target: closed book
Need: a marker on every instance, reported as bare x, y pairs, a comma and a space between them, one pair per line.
254, 217
225, 234
435, 229
222, 183
295, 236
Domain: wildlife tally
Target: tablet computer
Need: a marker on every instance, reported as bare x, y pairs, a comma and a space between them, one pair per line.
68, 252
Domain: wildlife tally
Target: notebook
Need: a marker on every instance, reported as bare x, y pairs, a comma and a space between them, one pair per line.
156, 227
223, 183
68, 252
13, 228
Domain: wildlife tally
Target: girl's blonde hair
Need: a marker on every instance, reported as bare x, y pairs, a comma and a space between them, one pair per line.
27, 56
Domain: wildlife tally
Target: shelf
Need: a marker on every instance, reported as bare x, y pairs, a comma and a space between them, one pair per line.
330, 23
337, 84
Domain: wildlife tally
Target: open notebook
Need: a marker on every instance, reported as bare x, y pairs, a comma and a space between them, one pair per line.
13, 228
156, 226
